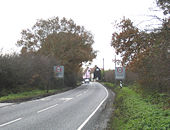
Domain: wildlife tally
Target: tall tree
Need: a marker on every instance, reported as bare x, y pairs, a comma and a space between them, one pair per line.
69, 43
129, 41
144, 53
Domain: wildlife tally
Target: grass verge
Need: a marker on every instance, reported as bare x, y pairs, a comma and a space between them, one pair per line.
133, 112
28, 95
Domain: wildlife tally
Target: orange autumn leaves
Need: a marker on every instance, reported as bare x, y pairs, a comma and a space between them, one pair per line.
144, 53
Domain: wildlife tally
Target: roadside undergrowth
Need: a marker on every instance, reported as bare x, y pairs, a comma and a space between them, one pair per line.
27, 95
134, 112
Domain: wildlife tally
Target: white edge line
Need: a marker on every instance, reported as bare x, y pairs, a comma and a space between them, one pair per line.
47, 108
84, 123
10, 122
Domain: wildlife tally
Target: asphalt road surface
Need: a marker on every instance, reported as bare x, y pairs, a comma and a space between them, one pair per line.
71, 110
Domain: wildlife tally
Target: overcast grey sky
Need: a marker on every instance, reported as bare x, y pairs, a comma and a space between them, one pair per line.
97, 16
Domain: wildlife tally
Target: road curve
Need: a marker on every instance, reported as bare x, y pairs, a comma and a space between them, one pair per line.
70, 110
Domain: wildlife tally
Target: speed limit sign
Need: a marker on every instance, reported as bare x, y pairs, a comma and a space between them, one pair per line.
120, 73
119, 69
58, 69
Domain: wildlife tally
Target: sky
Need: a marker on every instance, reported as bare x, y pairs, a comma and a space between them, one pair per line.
97, 16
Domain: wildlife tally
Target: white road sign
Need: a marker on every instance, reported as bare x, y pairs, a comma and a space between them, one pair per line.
59, 71
120, 73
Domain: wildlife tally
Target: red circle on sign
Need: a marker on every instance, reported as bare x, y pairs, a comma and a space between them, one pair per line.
58, 69
120, 69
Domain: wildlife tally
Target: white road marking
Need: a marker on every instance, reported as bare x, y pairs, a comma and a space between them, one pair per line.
47, 108
79, 95
10, 122
84, 123
86, 91
66, 99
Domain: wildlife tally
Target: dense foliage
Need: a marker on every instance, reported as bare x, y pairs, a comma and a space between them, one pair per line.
145, 53
131, 77
48, 43
134, 112
20, 73
165, 5
70, 44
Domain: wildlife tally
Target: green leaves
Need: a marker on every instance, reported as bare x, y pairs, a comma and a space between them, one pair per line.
134, 113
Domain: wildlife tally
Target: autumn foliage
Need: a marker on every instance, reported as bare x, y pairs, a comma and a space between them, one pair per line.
47, 44
70, 44
145, 53
19, 73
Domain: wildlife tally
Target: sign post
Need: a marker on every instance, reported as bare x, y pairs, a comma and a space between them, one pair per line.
120, 73
59, 72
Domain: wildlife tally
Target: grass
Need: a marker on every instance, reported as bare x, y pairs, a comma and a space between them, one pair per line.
133, 112
28, 94
110, 85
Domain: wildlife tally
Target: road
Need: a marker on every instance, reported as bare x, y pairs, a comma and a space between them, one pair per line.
70, 110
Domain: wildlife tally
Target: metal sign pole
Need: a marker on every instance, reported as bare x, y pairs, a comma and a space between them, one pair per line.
63, 81
119, 71
59, 73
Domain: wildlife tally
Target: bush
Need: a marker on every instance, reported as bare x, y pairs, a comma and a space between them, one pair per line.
133, 112
20, 73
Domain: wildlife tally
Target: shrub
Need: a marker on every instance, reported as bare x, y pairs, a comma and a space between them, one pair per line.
133, 112
20, 73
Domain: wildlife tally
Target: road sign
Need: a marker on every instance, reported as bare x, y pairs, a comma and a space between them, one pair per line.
120, 73
59, 71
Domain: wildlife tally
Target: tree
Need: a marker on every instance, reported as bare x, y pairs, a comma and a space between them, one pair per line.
69, 43
165, 6
69, 49
32, 39
144, 53
129, 42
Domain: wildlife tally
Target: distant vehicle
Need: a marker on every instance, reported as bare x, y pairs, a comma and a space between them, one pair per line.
86, 75
86, 80
97, 73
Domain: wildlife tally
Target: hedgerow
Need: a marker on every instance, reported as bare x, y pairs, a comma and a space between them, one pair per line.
132, 112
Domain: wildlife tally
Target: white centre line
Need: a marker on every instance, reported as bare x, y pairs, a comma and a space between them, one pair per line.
10, 122
47, 108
